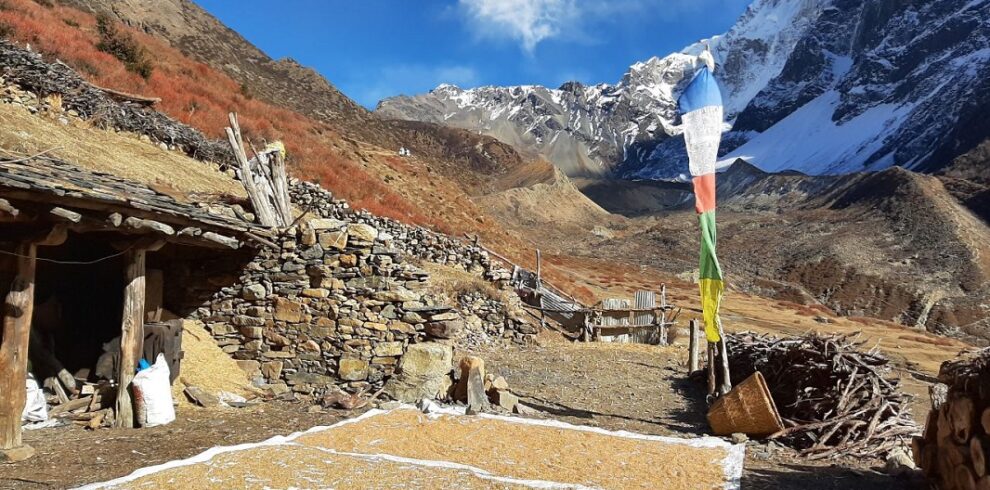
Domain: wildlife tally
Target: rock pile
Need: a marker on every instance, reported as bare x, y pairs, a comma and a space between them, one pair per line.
413, 241
33, 74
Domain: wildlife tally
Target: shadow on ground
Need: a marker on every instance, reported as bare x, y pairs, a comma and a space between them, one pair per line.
794, 476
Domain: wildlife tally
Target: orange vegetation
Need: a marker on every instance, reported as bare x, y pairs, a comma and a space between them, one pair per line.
196, 94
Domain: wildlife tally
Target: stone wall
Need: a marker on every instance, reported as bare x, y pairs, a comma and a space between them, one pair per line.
340, 303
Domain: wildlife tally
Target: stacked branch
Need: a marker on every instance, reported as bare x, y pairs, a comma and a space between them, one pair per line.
834, 398
954, 449
264, 178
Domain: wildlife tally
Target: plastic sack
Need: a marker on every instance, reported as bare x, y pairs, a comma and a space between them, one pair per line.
153, 395
36, 407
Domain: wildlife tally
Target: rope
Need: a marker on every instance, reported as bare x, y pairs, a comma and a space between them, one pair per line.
69, 262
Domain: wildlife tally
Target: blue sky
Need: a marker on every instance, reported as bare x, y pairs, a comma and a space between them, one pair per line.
371, 49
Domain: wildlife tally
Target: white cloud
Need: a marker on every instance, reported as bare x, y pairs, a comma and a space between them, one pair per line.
525, 21
530, 22
407, 79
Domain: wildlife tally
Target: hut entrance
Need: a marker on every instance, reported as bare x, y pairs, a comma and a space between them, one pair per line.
78, 306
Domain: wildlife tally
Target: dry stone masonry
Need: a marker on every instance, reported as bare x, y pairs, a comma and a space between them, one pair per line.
339, 303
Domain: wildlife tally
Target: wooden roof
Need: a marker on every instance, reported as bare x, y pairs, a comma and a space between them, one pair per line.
47, 189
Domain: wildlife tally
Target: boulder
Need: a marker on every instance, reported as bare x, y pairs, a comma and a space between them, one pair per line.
424, 372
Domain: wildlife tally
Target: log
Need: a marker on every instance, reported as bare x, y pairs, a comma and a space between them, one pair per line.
985, 420
18, 308
978, 455
944, 425
132, 333
964, 478
71, 405
983, 483
961, 414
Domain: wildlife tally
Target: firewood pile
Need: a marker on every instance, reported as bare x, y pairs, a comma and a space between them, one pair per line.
953, 450
834, 398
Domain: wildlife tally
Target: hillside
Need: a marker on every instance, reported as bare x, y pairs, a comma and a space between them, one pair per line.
894, 244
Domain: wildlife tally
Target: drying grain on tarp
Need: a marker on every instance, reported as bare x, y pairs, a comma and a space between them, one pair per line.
527, 451
206, 366
292, 466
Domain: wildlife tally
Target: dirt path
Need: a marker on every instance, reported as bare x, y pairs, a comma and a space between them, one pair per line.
643, 389
71, 456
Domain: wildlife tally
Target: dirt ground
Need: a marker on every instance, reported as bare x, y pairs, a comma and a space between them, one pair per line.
613, 386
71, 456
644, 389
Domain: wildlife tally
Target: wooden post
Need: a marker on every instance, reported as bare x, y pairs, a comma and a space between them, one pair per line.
131, 333
723, 351
693, 346
711, 370
18, 308
539, 267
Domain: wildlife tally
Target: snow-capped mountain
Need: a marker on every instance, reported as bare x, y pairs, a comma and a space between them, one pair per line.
820, 86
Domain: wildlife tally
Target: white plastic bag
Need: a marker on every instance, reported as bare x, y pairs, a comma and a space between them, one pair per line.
153, 395
36, 408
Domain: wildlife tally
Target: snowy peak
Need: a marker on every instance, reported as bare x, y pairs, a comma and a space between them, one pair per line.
820, 86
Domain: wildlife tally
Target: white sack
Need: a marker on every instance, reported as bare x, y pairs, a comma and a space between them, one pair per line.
35, 408
153, 395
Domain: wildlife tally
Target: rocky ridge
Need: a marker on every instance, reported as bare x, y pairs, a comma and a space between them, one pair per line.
821, 86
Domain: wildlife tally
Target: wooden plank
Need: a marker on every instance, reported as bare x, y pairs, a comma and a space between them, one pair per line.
262, 209
18, 308
131, 333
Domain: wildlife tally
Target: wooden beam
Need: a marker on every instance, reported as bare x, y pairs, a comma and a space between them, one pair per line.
149, 225
131, 333
66, 214
18, 308
222, 240
56, 236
